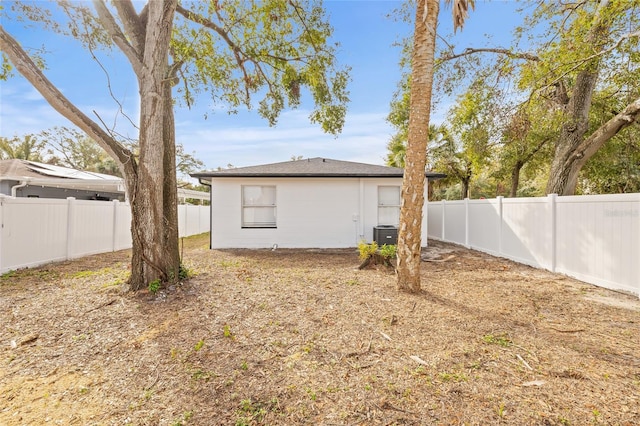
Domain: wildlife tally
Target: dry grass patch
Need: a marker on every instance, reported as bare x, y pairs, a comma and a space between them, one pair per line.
304, 337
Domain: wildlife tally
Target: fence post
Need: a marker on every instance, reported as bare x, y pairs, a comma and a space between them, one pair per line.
554, 230
71, 218
186, 221
466, 223
500, 224
1, 229
444, 221
114, 235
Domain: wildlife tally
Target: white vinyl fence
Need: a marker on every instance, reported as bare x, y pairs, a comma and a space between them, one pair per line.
35, 231
594, 238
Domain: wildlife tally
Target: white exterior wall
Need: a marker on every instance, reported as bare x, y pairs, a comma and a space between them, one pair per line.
310, 212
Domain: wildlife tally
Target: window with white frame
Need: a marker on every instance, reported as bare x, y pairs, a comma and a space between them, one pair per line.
389, 205
258, 206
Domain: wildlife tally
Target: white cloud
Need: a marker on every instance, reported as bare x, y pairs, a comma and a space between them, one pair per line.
363, 139
24, 111
241, 140
25, 118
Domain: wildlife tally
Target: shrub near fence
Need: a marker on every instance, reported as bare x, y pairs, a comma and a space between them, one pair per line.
35, 231
594, 238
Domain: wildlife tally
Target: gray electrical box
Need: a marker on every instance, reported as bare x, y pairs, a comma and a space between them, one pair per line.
385, 234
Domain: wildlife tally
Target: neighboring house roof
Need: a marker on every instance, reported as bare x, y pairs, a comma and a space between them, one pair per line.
48, 175
34, 173
311, 167
16, 168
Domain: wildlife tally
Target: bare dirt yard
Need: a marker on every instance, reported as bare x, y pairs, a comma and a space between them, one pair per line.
296, 337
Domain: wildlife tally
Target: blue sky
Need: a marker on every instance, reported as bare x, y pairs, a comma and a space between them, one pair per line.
366, 35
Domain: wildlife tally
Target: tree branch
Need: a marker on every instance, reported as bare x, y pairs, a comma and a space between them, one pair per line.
608, 130
580, 62
507, 52
533, 152
29, 70
120, 109
133, 25
111, 26
239, 55
296, 7
207, 23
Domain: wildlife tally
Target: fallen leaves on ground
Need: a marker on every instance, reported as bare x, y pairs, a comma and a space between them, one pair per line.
262, 337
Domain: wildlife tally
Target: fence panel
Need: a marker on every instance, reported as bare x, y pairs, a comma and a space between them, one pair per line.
484, 225
204, 220
90, 227
122, 234
455, 222
593, 238
37, 231
33, 232
198, 222
598, 240
182, 220
190, 222
434, 220
527, 231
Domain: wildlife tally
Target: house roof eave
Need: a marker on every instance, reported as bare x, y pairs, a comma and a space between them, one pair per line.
311, 168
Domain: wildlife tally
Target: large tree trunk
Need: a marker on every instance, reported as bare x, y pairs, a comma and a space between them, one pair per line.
466, 184
563, 175
153, 189
170, 190
587, 147
410, 232
153, 202
515, 179
151, 182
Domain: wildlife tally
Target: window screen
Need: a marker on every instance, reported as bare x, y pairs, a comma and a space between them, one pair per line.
389, 205
258, 206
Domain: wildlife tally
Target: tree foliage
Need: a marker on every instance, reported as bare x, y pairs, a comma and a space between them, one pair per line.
569, 89
69, 147
461, 149
272, 49
594, 38
27, 147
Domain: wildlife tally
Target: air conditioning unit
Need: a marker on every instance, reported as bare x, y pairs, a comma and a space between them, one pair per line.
385, 234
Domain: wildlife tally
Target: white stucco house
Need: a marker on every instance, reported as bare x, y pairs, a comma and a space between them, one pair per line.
309, 203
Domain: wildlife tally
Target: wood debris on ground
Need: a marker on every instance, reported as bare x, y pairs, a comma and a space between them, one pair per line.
287, 337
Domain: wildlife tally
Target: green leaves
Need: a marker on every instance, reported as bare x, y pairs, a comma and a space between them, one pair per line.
5, 67
513, 102
28, 147
273, 51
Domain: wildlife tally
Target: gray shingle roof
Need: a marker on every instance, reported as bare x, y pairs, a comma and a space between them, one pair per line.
16, 168
311, 167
